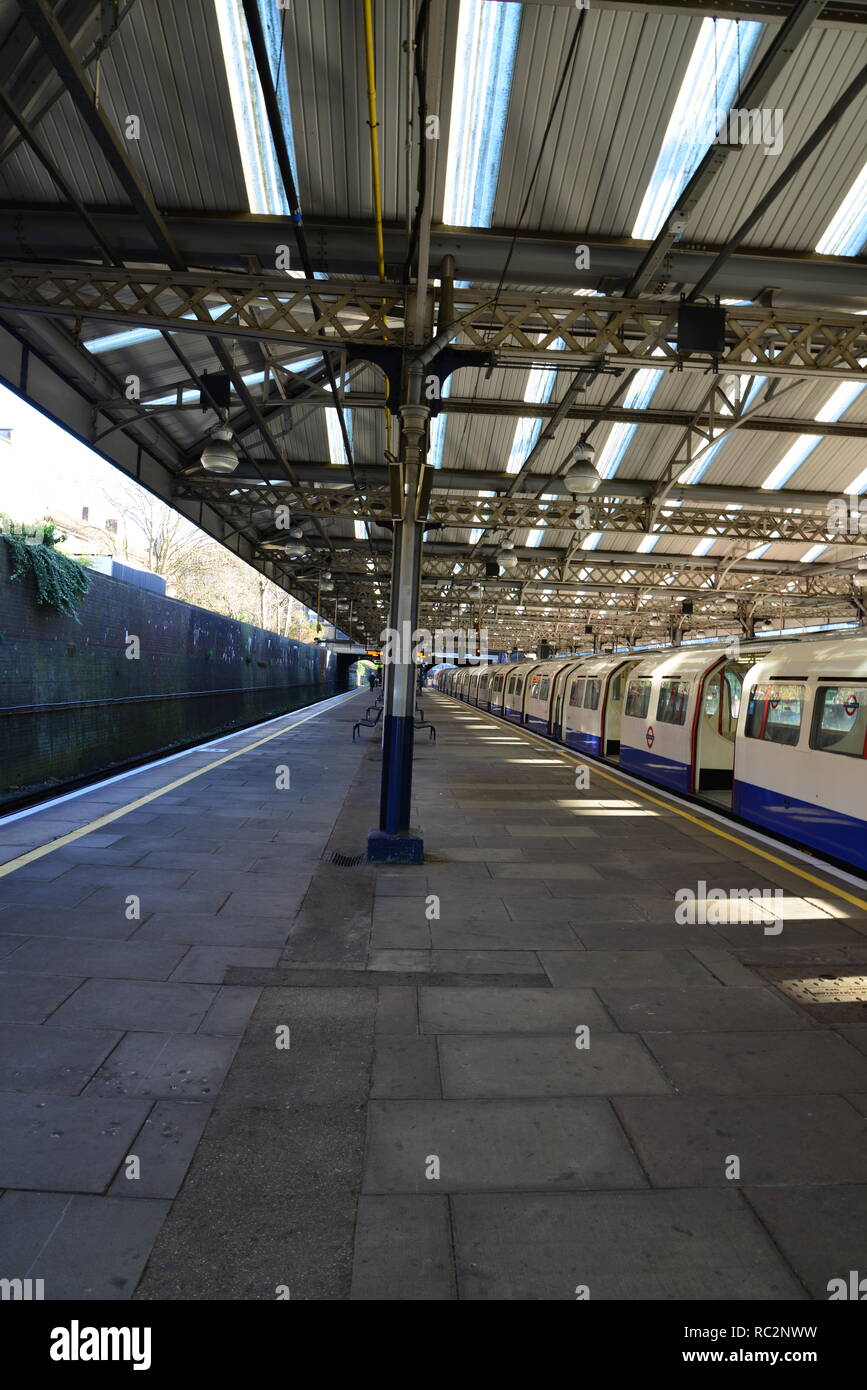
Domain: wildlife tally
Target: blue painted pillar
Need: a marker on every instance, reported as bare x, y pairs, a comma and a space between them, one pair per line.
395, 841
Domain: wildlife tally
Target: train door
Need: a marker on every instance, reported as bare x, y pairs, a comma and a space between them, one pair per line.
719, 702
614, 697
561, 684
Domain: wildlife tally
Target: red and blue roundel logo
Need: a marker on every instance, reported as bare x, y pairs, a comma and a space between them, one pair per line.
851, 705
650, 736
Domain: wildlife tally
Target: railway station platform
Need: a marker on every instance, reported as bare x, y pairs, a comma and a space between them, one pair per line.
241, 1063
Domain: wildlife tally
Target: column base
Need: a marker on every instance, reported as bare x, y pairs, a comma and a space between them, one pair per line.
404, 848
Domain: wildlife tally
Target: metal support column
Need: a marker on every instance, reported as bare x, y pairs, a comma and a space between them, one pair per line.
395, 842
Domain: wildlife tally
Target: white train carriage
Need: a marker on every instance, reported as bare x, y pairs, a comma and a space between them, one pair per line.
539, 687
513, 692
593, 704
680, 718
801, 746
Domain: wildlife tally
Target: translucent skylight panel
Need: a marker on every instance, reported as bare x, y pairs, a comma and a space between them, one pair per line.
804, 445
540, 385
484, 62
128, 337
710, 83
705, 544
649, 543
846, 233
265, 193
638, 397
813, 554
437, 437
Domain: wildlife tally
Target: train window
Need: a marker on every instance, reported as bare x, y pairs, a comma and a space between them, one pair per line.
592, 691
711, 697
637, 698
577, 697
672, 702
840, 721
511, 686
519, 684
774, 713
542, 692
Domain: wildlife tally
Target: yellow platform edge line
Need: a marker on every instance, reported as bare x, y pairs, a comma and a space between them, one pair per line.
669, 806
110, 816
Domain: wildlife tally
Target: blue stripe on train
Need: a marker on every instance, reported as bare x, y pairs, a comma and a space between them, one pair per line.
653, 766
585, 743
833, 832
540, 725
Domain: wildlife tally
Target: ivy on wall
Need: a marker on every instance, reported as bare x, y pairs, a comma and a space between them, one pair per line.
60, 581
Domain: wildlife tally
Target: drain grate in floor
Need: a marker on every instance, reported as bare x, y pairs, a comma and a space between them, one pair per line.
347, 861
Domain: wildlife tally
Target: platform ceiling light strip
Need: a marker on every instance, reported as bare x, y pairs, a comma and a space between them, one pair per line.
710, 83
804, 445
484, 62
846, 233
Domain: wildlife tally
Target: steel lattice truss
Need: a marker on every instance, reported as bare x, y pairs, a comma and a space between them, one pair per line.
520, 329
497, 514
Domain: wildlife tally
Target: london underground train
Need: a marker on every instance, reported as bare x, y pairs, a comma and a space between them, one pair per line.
774, 732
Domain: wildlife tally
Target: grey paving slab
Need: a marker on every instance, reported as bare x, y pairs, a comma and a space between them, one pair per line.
533, 909
208, 964
68, 923
533, 934
711, 1008
493, 1010
198, 929
8, 944
403, 1250
163, 1150
136, 1006
57, 1061
733, 1063
686, 1141
15, 891
488, 963
33, 998
406, 1068
515, 1065
820, 1231
160, 1066
269, 1201
412, 934
856, 1036
496, 1146
91, 1248
396, 1010
230, 1012
623, 969
177, 900
642, 935
107, 959
661, 1246
571, 870
65, 1143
